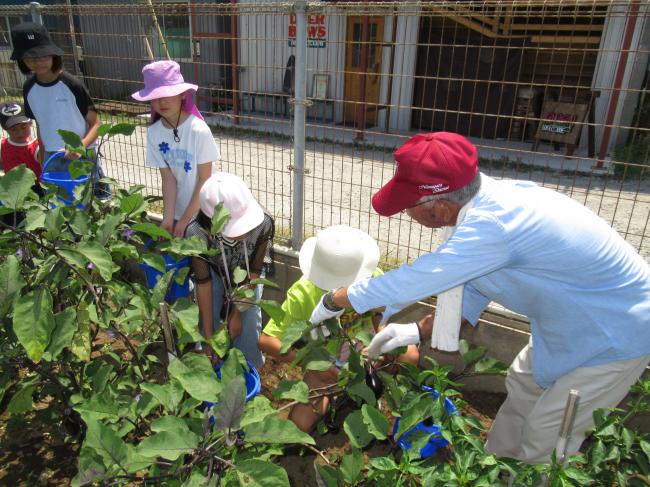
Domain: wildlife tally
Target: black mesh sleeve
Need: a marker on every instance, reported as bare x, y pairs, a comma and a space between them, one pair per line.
261, 259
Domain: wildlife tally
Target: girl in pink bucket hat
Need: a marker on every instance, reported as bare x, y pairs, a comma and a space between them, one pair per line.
179, 142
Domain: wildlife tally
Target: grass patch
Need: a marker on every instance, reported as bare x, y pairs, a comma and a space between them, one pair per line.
633, 159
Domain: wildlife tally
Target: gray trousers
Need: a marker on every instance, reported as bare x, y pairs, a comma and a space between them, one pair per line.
528, 423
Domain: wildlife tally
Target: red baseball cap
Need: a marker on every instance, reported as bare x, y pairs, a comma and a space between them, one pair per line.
427, 164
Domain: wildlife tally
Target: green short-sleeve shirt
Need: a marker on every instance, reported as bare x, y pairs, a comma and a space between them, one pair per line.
302, 297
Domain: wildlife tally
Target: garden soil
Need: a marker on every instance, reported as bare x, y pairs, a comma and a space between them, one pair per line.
34, 454
299, 464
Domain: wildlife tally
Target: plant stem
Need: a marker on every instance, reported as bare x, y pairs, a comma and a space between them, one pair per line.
88, 283
129, 345
633, 410
314, 396
223, 460
214, 443
318, 452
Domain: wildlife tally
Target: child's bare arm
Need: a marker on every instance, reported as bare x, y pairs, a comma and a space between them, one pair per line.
92, 117
204, 302
169, 198
271, 346
205, 171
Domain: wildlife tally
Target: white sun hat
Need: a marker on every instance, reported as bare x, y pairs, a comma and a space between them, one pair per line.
338, 256
231, 190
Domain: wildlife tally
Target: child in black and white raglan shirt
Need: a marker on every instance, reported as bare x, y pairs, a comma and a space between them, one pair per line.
54, 98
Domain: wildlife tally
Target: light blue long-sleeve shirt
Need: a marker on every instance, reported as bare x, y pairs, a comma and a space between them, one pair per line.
584, 289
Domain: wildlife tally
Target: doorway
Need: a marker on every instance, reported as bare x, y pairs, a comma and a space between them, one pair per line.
363, 58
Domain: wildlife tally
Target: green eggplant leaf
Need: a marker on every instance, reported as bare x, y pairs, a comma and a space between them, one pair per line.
33, 322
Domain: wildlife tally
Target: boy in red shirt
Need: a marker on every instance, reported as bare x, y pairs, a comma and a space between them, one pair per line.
19, 147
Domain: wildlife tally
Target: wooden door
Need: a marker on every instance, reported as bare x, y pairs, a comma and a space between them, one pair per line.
356, 65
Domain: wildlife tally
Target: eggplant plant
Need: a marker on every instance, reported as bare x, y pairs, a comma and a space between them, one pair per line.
616, 454
81, 337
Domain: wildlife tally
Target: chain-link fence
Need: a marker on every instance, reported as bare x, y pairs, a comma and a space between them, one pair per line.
551, 91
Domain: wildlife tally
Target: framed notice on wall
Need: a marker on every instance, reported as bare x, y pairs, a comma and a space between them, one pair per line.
561, 122
319, 86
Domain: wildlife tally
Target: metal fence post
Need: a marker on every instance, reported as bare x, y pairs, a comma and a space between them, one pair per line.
35, 7
300, 102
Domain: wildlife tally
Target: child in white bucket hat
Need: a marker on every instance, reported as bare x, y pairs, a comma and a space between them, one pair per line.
338, 256
179, 142
244, 242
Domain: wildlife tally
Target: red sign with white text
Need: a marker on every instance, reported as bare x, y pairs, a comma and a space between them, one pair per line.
316, 31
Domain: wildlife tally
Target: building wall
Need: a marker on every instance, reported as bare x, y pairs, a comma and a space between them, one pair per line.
114, 52
11, 79
403, 70
116, 47
264, 51
606, 67
638, 66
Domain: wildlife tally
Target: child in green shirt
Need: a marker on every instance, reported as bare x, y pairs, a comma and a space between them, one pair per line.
338, 256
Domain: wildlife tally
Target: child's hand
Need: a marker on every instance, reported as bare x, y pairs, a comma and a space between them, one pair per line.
72, 155
167, 225
211, 354
330, 376
179, 229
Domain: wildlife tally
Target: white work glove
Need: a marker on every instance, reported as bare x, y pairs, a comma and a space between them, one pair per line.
393, 336
321, 313
323, 329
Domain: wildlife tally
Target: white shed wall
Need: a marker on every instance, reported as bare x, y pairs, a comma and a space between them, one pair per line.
264, 51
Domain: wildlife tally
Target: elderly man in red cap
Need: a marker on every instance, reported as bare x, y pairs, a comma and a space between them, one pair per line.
584, 289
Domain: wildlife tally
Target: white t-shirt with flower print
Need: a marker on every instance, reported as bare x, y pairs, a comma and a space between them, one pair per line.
196, 146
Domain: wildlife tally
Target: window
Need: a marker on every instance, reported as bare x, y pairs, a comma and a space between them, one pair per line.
174, 23
357, 43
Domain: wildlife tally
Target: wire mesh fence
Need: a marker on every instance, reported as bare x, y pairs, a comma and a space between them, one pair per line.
551, 91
